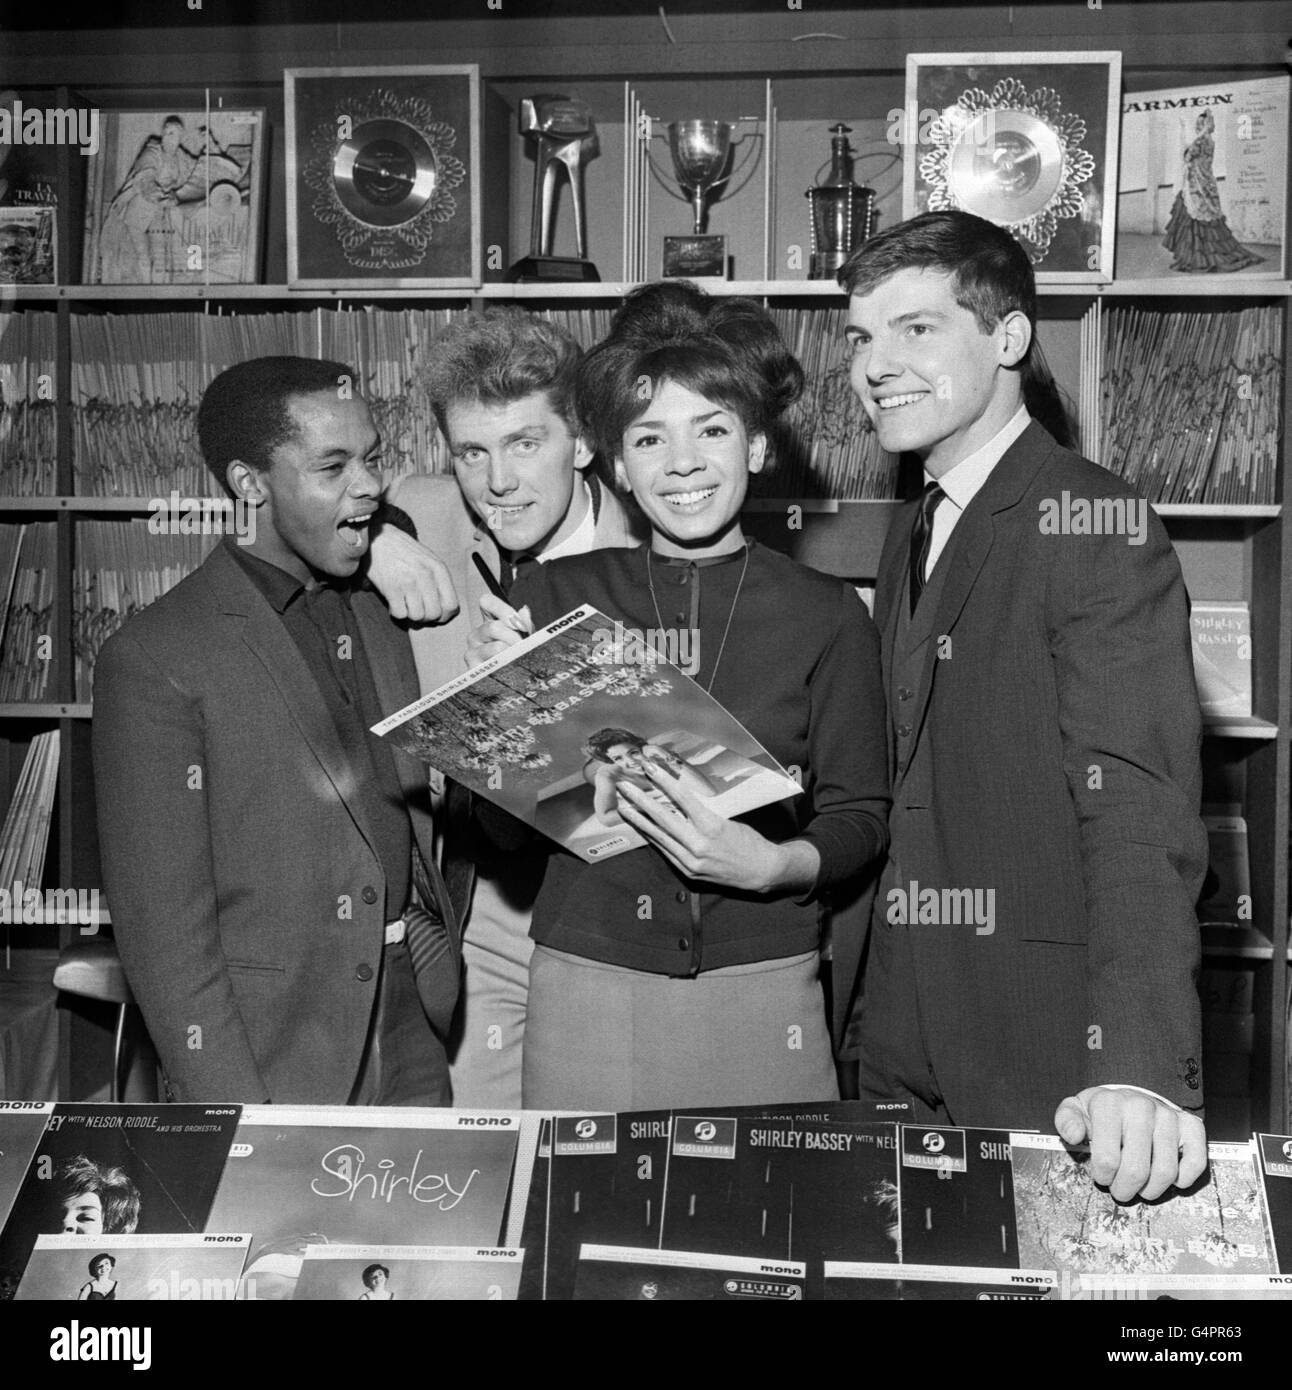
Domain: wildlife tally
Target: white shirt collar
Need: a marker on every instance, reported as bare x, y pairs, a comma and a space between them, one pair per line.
583, 537
965, 480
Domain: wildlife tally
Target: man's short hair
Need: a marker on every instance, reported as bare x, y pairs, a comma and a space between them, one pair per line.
118, 1196
990, 273
499, 356
245, 412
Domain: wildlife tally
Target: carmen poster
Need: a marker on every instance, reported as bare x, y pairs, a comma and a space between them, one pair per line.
108, 1170
332, 1175
1203, 181
124, 1269
549, 728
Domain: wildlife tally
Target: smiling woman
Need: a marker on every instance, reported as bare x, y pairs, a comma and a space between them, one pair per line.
685, 973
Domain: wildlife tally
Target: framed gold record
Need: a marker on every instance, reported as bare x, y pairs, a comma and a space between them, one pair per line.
1025, 140
383, 179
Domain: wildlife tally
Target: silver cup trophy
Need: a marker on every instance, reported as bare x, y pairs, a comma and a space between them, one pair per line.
702, 163
566, 136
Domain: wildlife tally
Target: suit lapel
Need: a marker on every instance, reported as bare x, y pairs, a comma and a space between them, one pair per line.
966, 553
268, 639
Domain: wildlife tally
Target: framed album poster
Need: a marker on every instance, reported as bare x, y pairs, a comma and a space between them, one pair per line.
1203, 185
1026, 140
383, 177
174, 198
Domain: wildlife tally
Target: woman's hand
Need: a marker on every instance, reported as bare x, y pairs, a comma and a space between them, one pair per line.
704, 845
503, 627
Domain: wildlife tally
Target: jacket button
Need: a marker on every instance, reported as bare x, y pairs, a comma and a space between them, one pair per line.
369, 894
904, 730
682, 578
683, 943
680, 619
364, 973
682, 895
903, 693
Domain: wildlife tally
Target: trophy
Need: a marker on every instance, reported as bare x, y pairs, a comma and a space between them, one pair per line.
563, 130
701, 162
843, 212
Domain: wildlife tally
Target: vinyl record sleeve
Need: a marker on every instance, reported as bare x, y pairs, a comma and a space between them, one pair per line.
957, 1197
622, 1274
133, 1169
516, 728
22, 1122
777, 1189
933, 1283
180, 1268
322, 1175
421, 1273
1275, 1158
1067, 1223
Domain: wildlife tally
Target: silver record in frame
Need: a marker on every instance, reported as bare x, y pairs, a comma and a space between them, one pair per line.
1025, 140
383, 177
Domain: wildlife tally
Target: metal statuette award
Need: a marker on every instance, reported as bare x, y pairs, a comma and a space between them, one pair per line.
843, 212
702, 160
563, 130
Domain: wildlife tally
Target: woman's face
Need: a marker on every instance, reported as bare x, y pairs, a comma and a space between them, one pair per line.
626, 756
101, 1268
377, 1280
687, 461
83, 1215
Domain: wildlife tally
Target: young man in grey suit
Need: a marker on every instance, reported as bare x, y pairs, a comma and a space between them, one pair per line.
501, 384
269, 863
1034, 941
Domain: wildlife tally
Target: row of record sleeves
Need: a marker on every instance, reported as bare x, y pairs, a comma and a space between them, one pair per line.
842, 1201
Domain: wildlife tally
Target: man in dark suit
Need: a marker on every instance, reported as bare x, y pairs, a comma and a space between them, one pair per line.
1034, 940
269, 862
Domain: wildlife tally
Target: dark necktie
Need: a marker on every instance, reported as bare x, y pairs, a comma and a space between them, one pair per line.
922, 540
517, 569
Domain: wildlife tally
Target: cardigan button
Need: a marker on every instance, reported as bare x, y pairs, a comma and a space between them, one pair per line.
363, 973
682, 895
369, 894
683, 943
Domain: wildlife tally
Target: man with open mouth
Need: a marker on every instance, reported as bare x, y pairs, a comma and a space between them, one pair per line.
270, 863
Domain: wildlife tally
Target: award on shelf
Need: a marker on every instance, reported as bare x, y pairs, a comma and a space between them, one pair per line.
702, 160
565, 135
843, 212
1027, 141
383, 177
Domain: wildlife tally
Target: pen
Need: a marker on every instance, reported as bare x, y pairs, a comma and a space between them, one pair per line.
490, 582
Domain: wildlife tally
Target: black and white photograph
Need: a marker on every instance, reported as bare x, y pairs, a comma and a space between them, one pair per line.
645, 655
